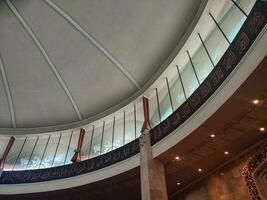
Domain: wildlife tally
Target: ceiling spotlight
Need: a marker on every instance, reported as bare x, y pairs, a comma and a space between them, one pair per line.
177, 158
226, 152
256, 101
262, 129
212, 136
178, 183
200, 170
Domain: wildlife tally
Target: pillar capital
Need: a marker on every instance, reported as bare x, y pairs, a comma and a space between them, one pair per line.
147, 124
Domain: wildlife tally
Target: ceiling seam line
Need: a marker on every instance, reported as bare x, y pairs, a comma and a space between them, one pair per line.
8, 92
45, 55
93, 41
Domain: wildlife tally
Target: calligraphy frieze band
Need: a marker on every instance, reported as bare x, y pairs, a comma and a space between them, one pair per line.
54, 173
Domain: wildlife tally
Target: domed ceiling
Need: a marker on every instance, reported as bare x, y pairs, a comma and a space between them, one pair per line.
63, 61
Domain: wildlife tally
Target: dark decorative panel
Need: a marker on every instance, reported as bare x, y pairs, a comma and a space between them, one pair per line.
250, 168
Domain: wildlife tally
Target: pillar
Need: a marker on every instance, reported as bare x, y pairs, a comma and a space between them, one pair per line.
153, 183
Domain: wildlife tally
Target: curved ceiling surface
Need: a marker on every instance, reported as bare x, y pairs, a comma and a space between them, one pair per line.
62, 61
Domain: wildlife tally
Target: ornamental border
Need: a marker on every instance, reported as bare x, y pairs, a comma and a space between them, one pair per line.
247, 173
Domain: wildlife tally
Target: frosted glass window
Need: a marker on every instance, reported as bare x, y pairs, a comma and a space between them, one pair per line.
86, 143
139, 118
154, 111
177, 91
129, 127
62, 149
216, 45
25, 154
189, 79
246, 5
202, 64
165, 102
50, 152
35, 160
232, 22
118, 132
13, 153
107, 137
73, 145
96, 144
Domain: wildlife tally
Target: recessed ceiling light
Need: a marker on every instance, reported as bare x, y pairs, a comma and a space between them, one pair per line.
200, 170
212, 136
177, 158
262, 129
256, 101
226, 152
178, 183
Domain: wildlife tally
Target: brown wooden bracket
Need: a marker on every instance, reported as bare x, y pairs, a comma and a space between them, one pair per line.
77, 157
8, 147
